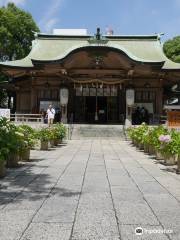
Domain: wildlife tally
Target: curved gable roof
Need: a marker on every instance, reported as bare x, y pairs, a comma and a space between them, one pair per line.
147, 49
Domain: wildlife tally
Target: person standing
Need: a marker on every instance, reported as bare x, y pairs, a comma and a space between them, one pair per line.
50, 115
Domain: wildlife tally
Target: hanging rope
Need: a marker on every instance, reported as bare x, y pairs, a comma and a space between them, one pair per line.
104, 82
96, 81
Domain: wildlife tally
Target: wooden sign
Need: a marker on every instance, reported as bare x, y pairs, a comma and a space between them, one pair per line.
174, 118
5, 113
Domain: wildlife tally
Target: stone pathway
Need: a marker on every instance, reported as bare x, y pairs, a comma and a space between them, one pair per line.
98, 189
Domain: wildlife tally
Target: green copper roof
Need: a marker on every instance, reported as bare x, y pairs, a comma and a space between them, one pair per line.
147, 49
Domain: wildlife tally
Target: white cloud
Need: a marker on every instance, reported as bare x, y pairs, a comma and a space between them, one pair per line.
50, 24
50, 18
16, 2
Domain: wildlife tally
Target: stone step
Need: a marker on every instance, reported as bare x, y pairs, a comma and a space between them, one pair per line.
82, 131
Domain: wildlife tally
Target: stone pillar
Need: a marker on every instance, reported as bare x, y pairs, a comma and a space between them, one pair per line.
64, 97
128, 120
64, 113
130, 95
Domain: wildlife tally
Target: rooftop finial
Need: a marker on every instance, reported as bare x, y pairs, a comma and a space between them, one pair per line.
98, 34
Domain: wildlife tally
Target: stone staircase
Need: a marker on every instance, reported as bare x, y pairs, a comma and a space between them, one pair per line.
91, 131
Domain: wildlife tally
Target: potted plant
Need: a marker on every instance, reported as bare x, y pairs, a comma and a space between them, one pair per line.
59, 133
139, 134
3, 146
16, 141
52, 136
62, 132
170, 147
10, 140
146, 139
178, 151
3, 156
44, 137
133, 134
28, 141
154, 141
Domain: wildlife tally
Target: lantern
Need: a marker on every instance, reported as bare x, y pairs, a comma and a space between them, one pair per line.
64, 96
130, 96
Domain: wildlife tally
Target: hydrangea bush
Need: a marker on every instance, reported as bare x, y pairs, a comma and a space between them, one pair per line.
11, 139
163, 140
16, 141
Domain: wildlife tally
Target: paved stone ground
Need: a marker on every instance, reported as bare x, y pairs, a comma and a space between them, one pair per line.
98, 189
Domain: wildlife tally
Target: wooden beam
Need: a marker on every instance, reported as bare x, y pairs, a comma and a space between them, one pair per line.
97, 71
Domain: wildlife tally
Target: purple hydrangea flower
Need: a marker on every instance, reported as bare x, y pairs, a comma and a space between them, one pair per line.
165, 138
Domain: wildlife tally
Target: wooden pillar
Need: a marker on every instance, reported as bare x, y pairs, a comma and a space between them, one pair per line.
9, 100
159, 97
18, 97
33, 100
159, 101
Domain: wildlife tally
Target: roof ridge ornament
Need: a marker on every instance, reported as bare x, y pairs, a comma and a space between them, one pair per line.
159, 35
98, 34
98, 39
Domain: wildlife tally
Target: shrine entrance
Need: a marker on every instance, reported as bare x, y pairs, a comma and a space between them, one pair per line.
98, 106
96, 109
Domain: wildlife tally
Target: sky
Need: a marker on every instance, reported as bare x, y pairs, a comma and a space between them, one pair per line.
125, 17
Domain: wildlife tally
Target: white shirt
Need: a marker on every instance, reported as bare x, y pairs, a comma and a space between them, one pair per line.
51, 113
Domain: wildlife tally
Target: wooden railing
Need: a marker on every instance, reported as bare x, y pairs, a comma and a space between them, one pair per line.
21, 117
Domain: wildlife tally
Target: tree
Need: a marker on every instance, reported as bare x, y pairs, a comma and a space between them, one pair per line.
16, 32
17, 29
172, 49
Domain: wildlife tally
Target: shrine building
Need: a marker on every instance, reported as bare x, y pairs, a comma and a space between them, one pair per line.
94, 72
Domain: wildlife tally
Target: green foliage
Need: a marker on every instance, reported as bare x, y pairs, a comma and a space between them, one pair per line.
172, 49
11, 140
60, 131
57, 131
138, 133
16, 35
44, 134
16, 32
29, 136
16, 139
172, 147
152, 136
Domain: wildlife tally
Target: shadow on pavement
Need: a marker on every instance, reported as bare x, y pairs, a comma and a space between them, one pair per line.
32, 180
